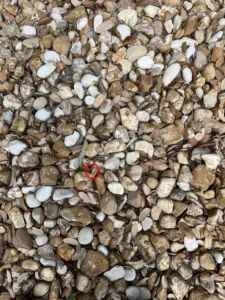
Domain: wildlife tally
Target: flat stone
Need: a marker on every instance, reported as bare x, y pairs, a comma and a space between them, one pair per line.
115, 273
77, 214
61, 44
46, 70
16, 217
61, 194
178, 286
202, 177
165, 187
44, 193
94, 264
135, 52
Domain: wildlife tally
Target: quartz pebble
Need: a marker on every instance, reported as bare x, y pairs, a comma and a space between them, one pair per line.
115, 273
171, 73
85, 236
46, 70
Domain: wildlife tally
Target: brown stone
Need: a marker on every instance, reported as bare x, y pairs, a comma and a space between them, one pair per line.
19, 124
75, 14
145, 83
115, 89
61, 44
79, 214
48, 159
47, 41
28, 160
94, 264
6, 86
207, 262
166, 136
5, 176
49, 175
60, 147
145, 247
65, 251
202, 177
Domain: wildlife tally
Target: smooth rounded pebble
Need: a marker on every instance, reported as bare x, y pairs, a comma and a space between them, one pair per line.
46, 70
44, 193
85, 236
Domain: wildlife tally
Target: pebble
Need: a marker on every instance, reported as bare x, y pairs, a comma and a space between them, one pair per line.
102, 249
16, 217
11, 101
44, 193
128, 16
145, 294
98, 20
31, 42
145, 147
89, 100
61, 44
211, 160
30, 264
28, 30
15, 147
145, 62
51, 56
46, 70
130, 274
76, 214
190, 244
147, 223
71, 140
135, 52
210, 99
171, 73
79, 90
41, 289
165, 187
61, 194
94, 264
128, 119
123, 31
125, 66
43, 114
32, 202
132, 293
151, 10
88, 80
41, 240
116, 188
85, 236
187, 75
115, 273
81, 23
40, 103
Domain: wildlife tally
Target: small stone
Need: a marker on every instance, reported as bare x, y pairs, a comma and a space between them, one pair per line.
31, 42
135, 52
61, 194
169, 135
32, 202
211, 160
123, 31
94, 264
71, 140
61, 44
79, 90
85, 236
168, 221
190, 244
49, 175
40, 103
46, 70
151, 10
115, 273
41, 289
47, 41
171, 73
128, 16
108, 204
44, 193
187, 75
130, 274
207, 262
30, 264
47, 274
125, 66
210, 99
115, 146
178, 286
65, 251
132, 293
163, 261
98, 20
88, 80
116, 188
165, 187
145, 62
28, 160
147, 223
202, 177
16, 217
166, 205
28, 30
77, 214
128, 119
144, 147
11, 101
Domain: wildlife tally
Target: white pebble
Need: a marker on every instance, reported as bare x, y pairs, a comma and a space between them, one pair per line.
102, 249
132, 292
211, 160
28, 30
79, 90
151, 10
145, 294
71, 140
85, 236
32, 202
81, 23
44, 193
47, 262
61, 194
176, 44
190, 244
98, 20
93, 90
187, 75
218, 257
130, 274
145, 62
51, 56
15, 147
123, 31
216, 37
88, 80
116, 188
171, 73
100, 216
43, 114
168, 26
115, 273
89, 100
147, 223
104, 48
46, 70
41, 240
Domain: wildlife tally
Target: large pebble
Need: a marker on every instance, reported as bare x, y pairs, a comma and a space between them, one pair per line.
151, 10
46, 70
165, 187
145, 62
190, 244
43, 114
115, 273
132, 293
88, 80
171, 73
135, 52
116, 188
85, 236
128, 16
211, 160
71, 140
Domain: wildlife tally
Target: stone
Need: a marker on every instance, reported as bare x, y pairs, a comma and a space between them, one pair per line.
65, 251
211, 160
171, 73
108, 204
190, 244
123, 31
49, 175
43, 114
163, 261
128, 16
61, 194
46, 70
166, 205
165, 187
44, 193
115, 273
145, 62
132, 293
41, 289
130, 274
202, 177
94, 264
81, 215
187, 75
128, 119
169, 135
11, 101
16, 217
151, 10
61, 44
207, 262
178, 286
28, 30
88, 80
210, 99
115, 146
71, 140
85, 236
144, 147
168, 221
135, 52
116, 188
145, 247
